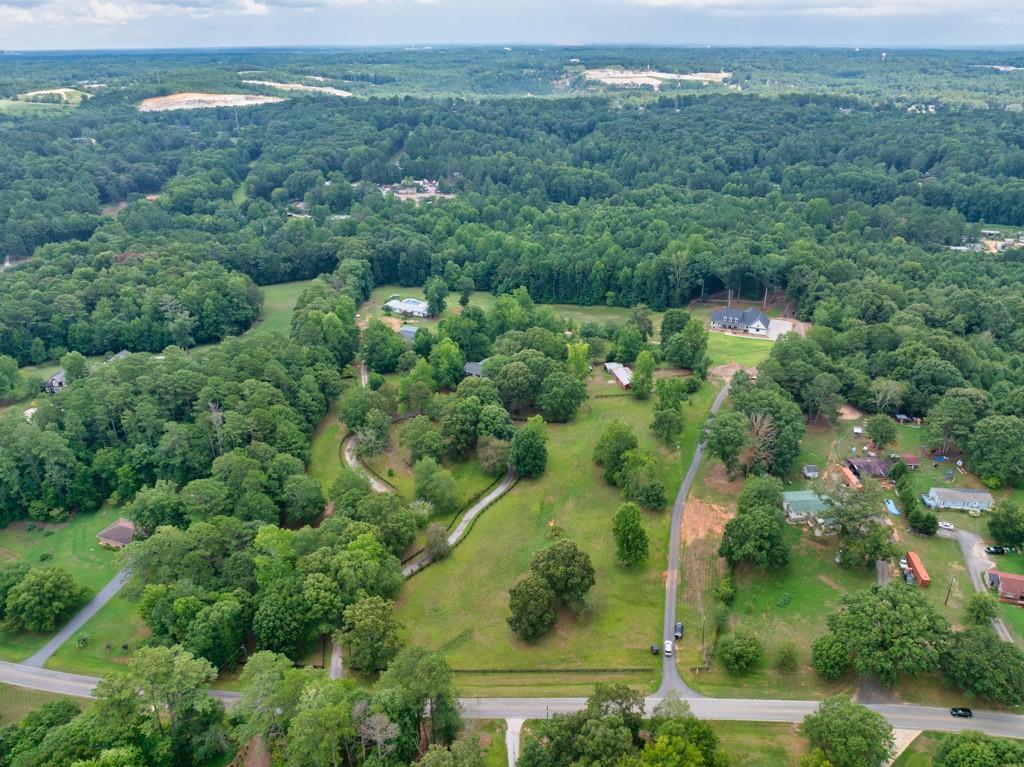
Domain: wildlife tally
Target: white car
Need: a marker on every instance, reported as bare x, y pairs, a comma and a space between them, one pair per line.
946, 525
668, 648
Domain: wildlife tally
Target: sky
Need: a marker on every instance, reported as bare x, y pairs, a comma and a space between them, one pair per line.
82, 24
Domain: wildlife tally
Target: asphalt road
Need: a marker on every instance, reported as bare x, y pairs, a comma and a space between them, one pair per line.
670, 679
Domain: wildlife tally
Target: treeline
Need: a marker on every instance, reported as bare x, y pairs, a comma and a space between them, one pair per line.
249, 402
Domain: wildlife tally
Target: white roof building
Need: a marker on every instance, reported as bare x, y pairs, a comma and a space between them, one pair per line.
411, 307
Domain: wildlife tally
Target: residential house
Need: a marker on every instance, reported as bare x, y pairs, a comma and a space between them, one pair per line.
1009, 586
964, 498
408, 333
409, 307
118, 535
474, 369
876, 468
119, 356
56, 382
622, 374
803, 505
749, 320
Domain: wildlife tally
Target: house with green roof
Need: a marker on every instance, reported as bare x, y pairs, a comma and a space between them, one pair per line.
803, 506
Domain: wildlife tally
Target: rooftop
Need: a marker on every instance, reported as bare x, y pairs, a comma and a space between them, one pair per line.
964, 494
118, 534
804, 501
736, 315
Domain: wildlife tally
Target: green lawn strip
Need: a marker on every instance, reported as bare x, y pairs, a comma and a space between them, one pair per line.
1010, 563
117, 624
325, 460
761, 744
624, 613
15, 702
278, 302
491, 735
1013, 616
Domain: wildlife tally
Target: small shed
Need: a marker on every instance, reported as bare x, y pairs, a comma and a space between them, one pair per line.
118, 535
916, 566
474, 369
810, 471
903, 418
408, 333
622, 374
858, 431
912, 461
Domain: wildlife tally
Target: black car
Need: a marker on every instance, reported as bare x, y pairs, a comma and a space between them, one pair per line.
655, 650
678, 633
995, 550
961, 713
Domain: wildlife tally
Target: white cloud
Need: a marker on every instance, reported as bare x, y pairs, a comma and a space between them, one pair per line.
832, 7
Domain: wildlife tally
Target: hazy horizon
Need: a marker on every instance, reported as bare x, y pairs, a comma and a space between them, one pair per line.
52, 25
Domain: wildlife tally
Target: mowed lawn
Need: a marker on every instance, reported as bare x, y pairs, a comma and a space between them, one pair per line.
278, 302
788, 605
115, 632
922, 751
15, 702
459, 605
764, 744
71, 545
745, 351
325, 459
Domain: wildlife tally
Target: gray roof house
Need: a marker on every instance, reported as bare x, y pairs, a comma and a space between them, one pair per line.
56, 382
810, 471
749, 320
411, 307
408, 333
474, 369
120, 355
802, 505
958, 498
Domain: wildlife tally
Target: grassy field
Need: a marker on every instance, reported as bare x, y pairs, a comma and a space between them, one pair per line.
278, 303
325, 459
765, 744
789, 605
491, 735
921, 752
18, 108
624, 612
15, 702
71, 545
748, 352
117, 624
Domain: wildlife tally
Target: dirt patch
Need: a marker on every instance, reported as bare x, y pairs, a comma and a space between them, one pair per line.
111, 210
392, 322
640, 77
726, 372
849, 413
831, 583
204, 101
702, 519
299, 87
7, 554
716, 479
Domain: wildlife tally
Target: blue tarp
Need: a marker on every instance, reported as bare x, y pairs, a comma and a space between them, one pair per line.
892, 508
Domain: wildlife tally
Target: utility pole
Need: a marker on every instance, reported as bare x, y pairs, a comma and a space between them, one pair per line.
949, 590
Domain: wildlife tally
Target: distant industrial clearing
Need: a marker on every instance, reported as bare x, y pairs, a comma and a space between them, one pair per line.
204, 101
299, 87
636, 77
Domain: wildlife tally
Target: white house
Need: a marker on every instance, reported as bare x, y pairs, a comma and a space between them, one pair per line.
749, 320
958, 498
410, 307
623, 375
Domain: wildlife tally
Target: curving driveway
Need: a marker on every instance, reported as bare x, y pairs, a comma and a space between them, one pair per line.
973, 548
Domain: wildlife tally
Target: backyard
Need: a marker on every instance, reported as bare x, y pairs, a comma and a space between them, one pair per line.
71, 545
